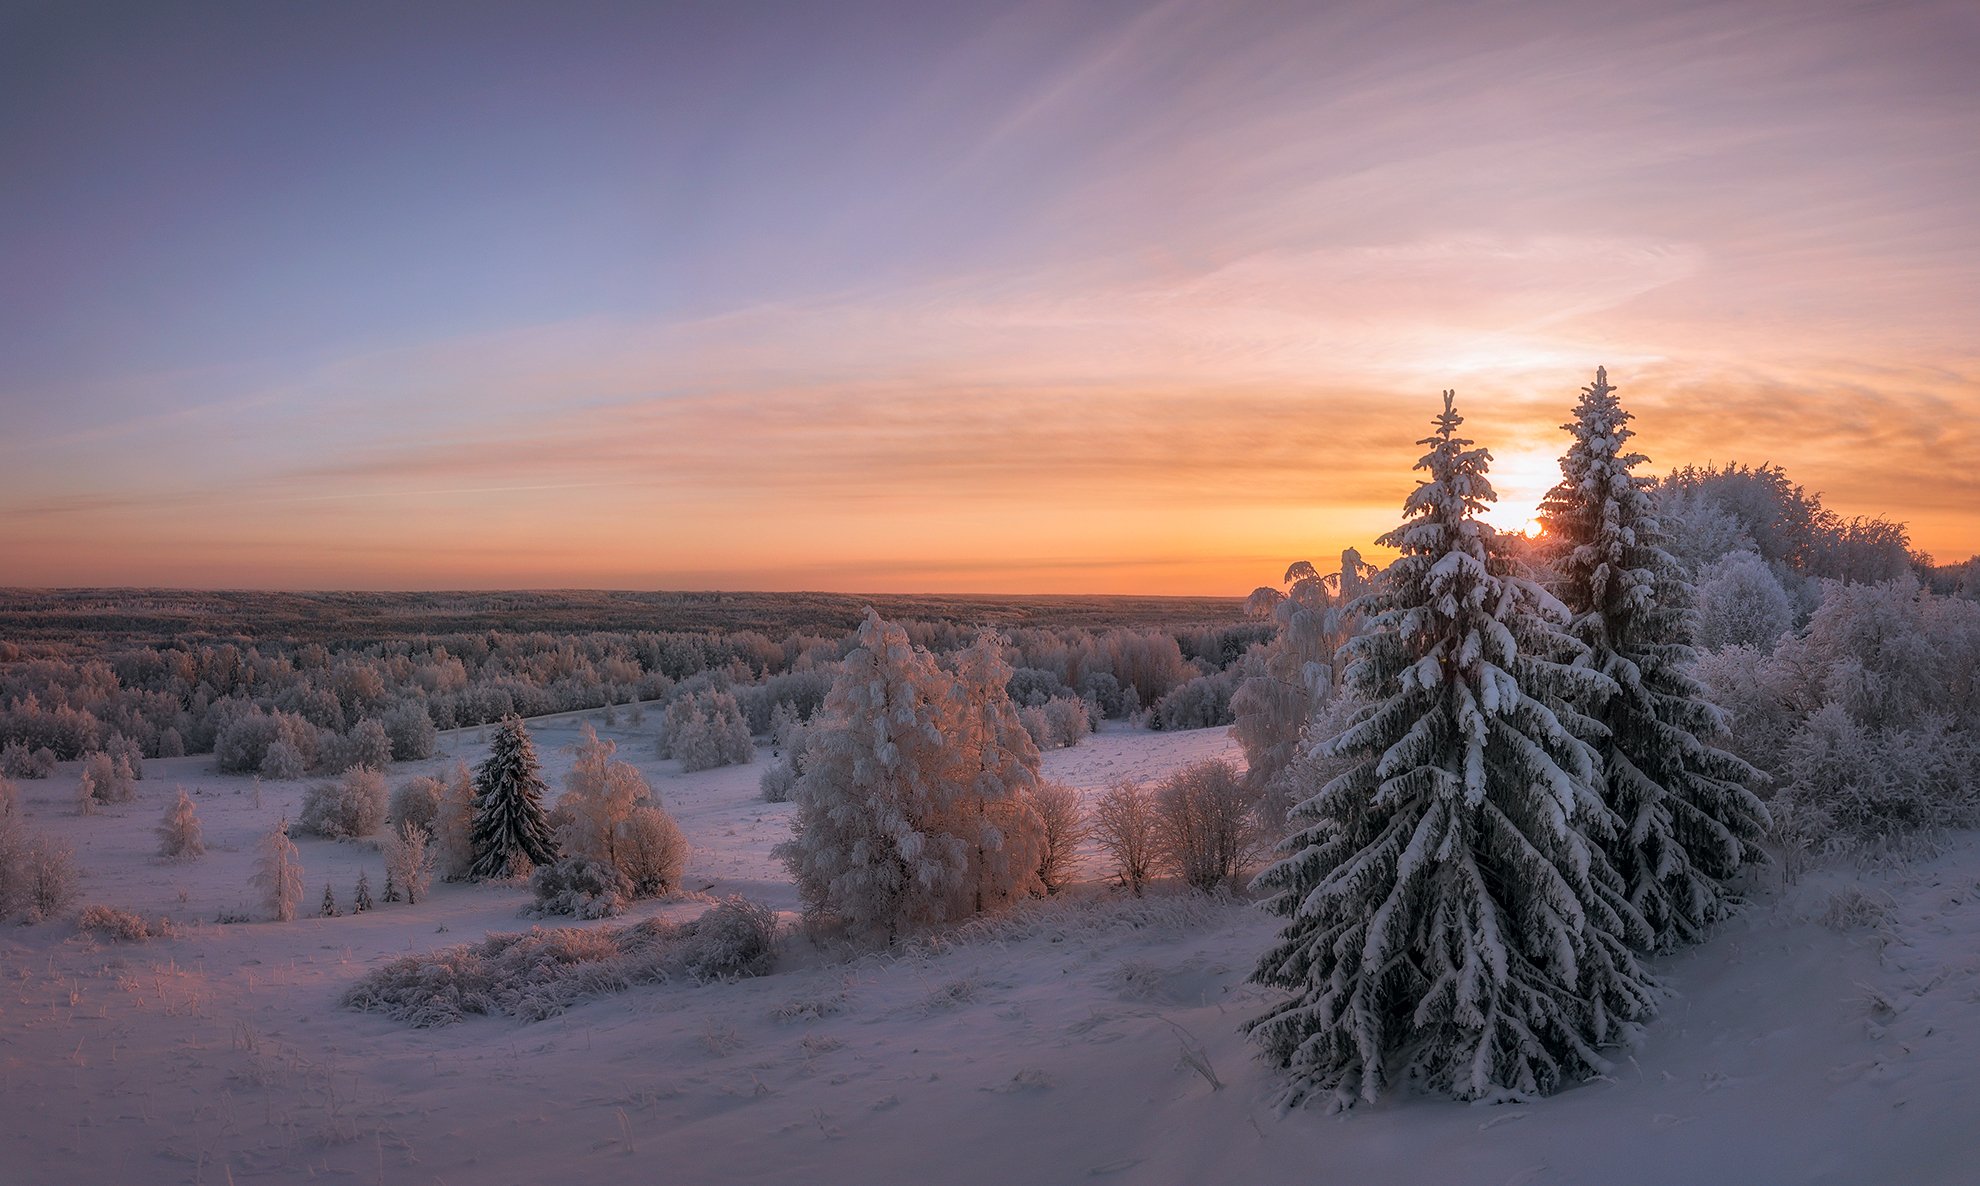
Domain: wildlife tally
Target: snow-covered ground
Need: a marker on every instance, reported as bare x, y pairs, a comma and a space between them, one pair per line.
1091, 1040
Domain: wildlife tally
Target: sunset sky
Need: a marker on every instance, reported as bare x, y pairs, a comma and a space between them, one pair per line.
998, 297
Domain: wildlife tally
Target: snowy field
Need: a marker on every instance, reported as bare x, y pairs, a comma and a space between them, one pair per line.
1832, 1035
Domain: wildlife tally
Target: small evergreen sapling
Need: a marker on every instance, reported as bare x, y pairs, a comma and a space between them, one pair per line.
1450, 922
361, 897
329, 902
392, 887
511, 832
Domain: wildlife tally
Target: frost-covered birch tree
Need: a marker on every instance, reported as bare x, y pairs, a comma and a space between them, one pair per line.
1688, 819
909, 810
1449, 920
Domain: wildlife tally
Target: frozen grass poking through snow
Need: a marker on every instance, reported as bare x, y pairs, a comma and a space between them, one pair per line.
546, 970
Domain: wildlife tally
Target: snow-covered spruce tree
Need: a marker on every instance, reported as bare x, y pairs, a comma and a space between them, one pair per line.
511, 832
887, 836
1450, 922
278, 873
1688, 820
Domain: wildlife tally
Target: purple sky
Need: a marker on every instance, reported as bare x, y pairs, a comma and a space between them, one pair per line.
1086, 296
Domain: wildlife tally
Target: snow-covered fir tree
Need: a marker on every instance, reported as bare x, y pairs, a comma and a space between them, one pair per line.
911, 788
1449, 920
361, 897
329, 902
1688, 820
511, 831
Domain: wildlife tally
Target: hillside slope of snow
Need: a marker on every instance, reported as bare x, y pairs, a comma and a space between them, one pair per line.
1827, 1036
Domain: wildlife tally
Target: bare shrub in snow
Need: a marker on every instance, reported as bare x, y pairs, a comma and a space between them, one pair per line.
1205, 829
547, 970
353, 805
278, 873
409, 860
120, 926
1850, 908
733, 939
48, 880
179, 835
416, 802
1057, 806
1124, 826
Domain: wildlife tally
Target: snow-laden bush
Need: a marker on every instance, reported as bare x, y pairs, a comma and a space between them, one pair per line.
409, 861
911, 811
243, 742
1124, 825
1741, 603
128, 755
351, 806
578, 886
779, 778
18, 761
411, 730
417, 802
545, 971
367, 744
179, 834
1059, 722
105, 779
651, 852
120, 926
1843, 783
282, 760
1206, 831
278, 873
714, 734
1199, 704
1057, 806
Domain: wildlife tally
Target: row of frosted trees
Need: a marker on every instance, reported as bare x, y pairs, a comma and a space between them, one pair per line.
1515, 799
